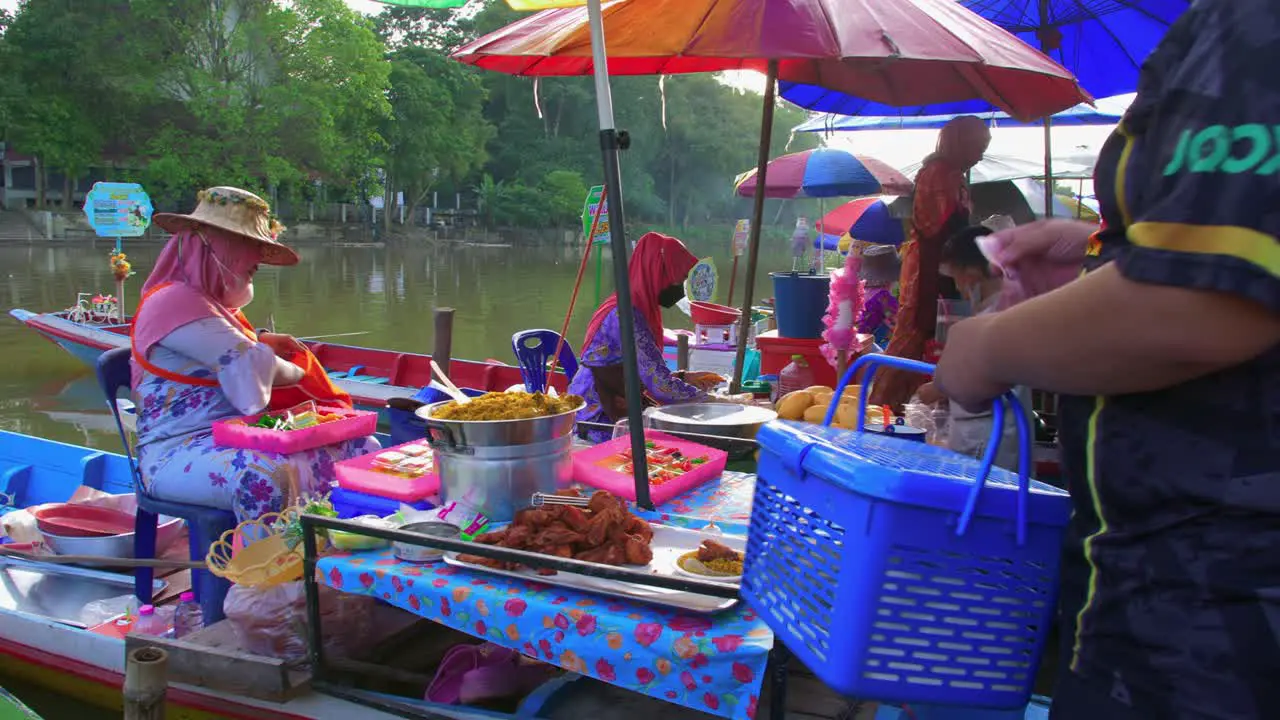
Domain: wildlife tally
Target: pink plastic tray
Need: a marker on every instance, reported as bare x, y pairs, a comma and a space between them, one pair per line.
359, 475
588, 472
239, 433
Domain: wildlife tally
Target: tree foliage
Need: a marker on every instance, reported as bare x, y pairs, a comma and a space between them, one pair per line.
285, 96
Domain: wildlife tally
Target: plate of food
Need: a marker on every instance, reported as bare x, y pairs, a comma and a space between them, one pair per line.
714, 561
605, 532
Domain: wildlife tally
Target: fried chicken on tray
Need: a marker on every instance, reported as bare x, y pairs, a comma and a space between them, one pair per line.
604, 532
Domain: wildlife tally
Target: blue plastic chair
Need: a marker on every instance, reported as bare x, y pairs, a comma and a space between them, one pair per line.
533, 348
204, 524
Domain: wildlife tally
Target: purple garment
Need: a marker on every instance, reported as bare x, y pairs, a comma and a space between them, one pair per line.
604, 350
878, 310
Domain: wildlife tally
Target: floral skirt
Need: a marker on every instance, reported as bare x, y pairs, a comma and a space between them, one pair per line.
192, 470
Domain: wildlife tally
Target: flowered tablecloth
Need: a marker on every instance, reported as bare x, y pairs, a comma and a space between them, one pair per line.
714, 663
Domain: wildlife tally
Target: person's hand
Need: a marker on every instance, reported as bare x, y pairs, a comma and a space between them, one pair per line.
1054, 240
961, 373
284, 346
929, 394
704, 380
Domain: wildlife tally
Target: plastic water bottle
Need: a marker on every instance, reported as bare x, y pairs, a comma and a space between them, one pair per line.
189, 617
149, 623
797, 375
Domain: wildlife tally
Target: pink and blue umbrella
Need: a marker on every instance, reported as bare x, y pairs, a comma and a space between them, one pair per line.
824, 173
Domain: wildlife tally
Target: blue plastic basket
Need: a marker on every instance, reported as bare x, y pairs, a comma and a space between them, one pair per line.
894, 571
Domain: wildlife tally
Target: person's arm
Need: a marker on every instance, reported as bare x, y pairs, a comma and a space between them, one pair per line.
1104, 335
658, 381
246, 370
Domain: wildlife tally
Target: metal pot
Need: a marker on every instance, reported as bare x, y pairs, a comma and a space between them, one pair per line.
722, 420
419, 553
497, 465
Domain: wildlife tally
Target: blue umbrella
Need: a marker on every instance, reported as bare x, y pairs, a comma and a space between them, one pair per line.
1103, 42
1108, 111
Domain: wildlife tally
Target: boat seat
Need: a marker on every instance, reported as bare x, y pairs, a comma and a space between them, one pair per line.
533, 348
204, 524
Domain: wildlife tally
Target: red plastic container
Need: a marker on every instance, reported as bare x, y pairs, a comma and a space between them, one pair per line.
82, 521
240, 433
705, 313
776, 352
588, 470
360, 475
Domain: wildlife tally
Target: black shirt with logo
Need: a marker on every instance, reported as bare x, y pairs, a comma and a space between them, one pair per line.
1171, 574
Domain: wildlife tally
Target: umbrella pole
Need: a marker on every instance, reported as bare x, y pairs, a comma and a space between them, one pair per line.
1048, 168
609, 146
757, 211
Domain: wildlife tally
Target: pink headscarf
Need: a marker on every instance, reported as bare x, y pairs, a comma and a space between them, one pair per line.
197, 284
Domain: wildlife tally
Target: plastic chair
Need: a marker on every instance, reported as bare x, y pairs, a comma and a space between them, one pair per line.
204, 524
533, 348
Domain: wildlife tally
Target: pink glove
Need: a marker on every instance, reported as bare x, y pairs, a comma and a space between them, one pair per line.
1036, 258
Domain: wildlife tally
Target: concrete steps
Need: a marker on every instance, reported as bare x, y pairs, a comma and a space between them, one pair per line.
16, 228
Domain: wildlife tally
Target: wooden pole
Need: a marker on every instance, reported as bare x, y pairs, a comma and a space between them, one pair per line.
145, 682
733, 278
682, 352
753, 246
442, 352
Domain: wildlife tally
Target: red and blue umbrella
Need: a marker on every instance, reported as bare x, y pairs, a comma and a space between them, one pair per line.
867, 219
824, 173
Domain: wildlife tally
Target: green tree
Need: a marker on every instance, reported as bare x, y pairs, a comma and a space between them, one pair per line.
437, 132
564, 192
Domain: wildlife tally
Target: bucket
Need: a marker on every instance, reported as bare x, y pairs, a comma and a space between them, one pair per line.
496, 466
800, 302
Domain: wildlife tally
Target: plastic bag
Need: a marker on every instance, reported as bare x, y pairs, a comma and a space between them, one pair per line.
100, 611
272, 621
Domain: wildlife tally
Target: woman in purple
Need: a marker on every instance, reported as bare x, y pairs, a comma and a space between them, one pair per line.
658, 268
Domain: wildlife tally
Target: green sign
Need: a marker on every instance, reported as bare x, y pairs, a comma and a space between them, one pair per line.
601, 236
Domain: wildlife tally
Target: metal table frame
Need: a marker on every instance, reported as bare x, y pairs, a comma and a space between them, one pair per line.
324, 676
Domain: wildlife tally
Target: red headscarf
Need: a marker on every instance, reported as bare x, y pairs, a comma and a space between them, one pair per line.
659, 261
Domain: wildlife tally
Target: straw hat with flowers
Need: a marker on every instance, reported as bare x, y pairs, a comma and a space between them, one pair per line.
236, 211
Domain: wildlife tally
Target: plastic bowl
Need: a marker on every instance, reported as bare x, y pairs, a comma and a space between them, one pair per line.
112, 546
705, 313
83, 521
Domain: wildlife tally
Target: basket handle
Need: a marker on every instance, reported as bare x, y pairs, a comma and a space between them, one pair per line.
873, 362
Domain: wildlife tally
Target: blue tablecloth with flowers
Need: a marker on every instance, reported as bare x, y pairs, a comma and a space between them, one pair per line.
714, 663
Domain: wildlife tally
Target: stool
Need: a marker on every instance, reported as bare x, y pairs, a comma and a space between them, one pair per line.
533, 348
204, 524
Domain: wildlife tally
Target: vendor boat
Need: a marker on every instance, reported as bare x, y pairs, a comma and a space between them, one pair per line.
370, 376
43, 644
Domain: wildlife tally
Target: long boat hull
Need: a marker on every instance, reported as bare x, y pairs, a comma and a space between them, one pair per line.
370, 376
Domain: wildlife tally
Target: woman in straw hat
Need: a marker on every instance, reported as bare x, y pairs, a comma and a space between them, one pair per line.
196, 359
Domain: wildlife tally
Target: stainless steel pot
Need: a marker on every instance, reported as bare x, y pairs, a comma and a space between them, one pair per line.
496, 466
722, 420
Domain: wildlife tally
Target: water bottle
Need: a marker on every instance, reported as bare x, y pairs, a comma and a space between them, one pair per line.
149, 623
189, 617
797, 375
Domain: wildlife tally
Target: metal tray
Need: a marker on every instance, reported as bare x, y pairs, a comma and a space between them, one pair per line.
668, 544
60, 592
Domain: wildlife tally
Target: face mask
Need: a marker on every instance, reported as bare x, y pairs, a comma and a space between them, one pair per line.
239, 289
671, 295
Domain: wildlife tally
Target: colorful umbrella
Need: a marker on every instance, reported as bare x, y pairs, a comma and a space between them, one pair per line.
824, 173
1105, 111
867, 219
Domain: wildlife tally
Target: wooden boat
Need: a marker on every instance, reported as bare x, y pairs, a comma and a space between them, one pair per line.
62, 656
370, 376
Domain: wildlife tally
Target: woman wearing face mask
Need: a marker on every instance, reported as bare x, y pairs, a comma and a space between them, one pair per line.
196, 359
658, 268
940, 209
